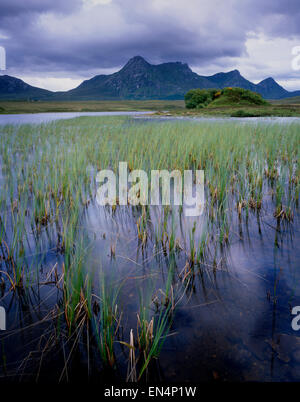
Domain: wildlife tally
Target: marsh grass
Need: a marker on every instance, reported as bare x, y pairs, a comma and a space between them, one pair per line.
48, 186
152, 330
107, 321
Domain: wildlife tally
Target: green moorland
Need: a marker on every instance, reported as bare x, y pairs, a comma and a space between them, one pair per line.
279, 110
11, 107
47, 208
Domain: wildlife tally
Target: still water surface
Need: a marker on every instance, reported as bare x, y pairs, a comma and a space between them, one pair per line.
38, 118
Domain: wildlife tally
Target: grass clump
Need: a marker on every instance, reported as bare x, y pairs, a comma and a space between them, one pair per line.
243, 113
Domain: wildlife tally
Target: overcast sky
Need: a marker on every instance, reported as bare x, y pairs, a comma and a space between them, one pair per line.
55, 44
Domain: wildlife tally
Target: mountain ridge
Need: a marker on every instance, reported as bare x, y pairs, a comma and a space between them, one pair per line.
138, 79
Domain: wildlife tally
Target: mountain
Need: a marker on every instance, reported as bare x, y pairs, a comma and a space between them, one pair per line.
269, 89
231, 79
139, 79
12, 88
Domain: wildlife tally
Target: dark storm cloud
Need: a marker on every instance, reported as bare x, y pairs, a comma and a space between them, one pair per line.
67, 36
275, 17
14, 8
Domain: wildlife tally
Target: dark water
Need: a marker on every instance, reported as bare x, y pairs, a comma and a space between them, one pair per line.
233, 323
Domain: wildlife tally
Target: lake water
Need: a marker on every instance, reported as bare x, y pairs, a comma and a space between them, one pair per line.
38, 118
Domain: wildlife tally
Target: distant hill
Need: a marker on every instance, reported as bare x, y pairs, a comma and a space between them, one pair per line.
234, 96
12, 88
229, 96
269, 88
139, 79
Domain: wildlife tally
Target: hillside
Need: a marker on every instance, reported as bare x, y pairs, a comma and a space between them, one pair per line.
231, 79
237, 97
12, 88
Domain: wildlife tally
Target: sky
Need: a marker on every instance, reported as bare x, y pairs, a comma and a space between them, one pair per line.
56, 44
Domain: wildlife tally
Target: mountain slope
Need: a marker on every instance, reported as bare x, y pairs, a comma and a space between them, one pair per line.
12, 88
231, 79
269, 89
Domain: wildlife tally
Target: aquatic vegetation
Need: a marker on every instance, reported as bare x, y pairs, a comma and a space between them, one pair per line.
107, 325
54, 236
151, 335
